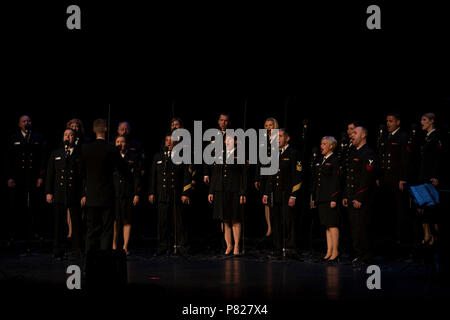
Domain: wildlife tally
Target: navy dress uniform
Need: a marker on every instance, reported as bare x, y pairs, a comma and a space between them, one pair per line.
228, 184
126, 187
359, 185
168, 183
25, 163
430, 152
64, 183
280, 187
326, 188
430, 168
393, 167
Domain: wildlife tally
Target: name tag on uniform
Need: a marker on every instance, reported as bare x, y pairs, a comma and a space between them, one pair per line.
285, 159
58, 158
356, 159
159, 162
17, 142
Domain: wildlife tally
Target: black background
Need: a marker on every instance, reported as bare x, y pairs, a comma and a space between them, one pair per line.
314, 60
141, 59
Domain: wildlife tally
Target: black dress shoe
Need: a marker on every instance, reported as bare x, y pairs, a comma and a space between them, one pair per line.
292, 254
27, 253
10, 243
58, 256
275, 254
334, 261
359, 263
182, 251
161, 252
356, 262
74, 256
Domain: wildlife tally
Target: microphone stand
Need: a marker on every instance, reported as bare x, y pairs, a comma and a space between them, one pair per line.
29, 210
380, 142
66, 192
412, 144
343, 145
109, 120
174, 210
305, 137
243, 215
313, 162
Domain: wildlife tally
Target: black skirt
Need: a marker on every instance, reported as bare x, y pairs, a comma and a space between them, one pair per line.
227, 207
430, 215
329, 217
124, 210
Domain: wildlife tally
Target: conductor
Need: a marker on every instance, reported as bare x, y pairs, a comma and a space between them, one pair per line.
99, 159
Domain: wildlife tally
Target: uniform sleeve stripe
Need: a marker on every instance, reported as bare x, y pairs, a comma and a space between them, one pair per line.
334, 194
363, 190
187, 187
296, 187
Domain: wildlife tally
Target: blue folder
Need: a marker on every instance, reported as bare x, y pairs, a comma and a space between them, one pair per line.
424, 195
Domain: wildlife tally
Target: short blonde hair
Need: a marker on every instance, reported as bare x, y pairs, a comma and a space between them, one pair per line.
331, 140
275, 122
430, 116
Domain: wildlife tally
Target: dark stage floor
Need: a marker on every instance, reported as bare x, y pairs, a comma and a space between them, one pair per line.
255, 277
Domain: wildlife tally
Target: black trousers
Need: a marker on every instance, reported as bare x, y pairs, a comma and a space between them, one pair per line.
100, 228
358, 219
60, 228
23, 219
283, 223
171, 225
395, 210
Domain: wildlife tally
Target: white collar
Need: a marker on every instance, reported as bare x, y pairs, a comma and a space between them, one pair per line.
429, 132
395, 131
326, 157
284, 148
360, 146
24, 134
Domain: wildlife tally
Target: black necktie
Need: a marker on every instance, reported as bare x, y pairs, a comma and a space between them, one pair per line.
390, 137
